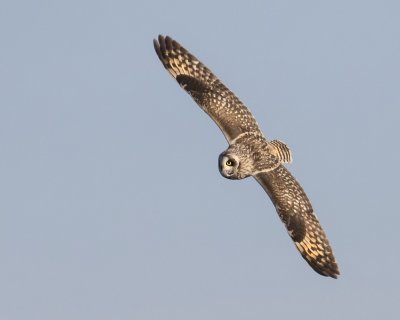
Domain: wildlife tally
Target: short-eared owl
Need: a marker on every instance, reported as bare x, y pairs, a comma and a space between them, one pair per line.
251, 154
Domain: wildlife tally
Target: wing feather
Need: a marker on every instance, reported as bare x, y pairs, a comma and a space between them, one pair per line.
228, 112
297, 214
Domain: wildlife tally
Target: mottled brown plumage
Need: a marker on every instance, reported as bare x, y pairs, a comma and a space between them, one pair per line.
297, 214
230, 114
251, 154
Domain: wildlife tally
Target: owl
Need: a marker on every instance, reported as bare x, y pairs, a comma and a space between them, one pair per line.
250, 154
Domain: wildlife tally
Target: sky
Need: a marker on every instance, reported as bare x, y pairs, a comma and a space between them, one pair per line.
112, 204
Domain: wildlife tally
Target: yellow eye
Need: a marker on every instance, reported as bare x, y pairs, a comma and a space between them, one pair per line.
229, 163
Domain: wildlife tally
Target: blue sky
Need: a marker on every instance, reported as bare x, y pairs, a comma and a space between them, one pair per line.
113, 207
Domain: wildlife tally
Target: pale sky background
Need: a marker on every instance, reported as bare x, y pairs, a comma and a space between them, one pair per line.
112, 204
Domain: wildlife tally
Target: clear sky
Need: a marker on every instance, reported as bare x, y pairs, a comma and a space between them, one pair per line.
112, 204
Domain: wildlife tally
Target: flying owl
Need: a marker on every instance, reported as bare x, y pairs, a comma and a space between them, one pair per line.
251, 154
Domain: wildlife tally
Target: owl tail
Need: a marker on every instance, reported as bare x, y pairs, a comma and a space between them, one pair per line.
282, 151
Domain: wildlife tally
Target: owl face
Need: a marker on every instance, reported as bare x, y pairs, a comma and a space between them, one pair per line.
235, 163
228, 165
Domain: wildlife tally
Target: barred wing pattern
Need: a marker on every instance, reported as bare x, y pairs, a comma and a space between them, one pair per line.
297, 214
228, 112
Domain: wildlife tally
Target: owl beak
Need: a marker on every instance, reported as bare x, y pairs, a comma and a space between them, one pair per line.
228, 174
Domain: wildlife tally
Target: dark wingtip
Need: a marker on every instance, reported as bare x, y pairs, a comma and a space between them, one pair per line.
166, 42
328, 271
335, 273
162, 45
333, 270
159, 47
156, 45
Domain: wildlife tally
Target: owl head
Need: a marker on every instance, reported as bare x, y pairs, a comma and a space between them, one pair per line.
235, 163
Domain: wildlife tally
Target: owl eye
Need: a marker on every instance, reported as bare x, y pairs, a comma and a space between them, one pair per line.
229, 163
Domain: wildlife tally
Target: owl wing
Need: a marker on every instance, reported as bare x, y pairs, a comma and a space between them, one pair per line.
297, 214
228, 112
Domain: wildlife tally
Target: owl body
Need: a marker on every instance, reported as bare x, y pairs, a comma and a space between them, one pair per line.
252, 153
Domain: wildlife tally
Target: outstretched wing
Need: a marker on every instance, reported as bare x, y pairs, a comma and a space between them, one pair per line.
228, 112
297, 214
